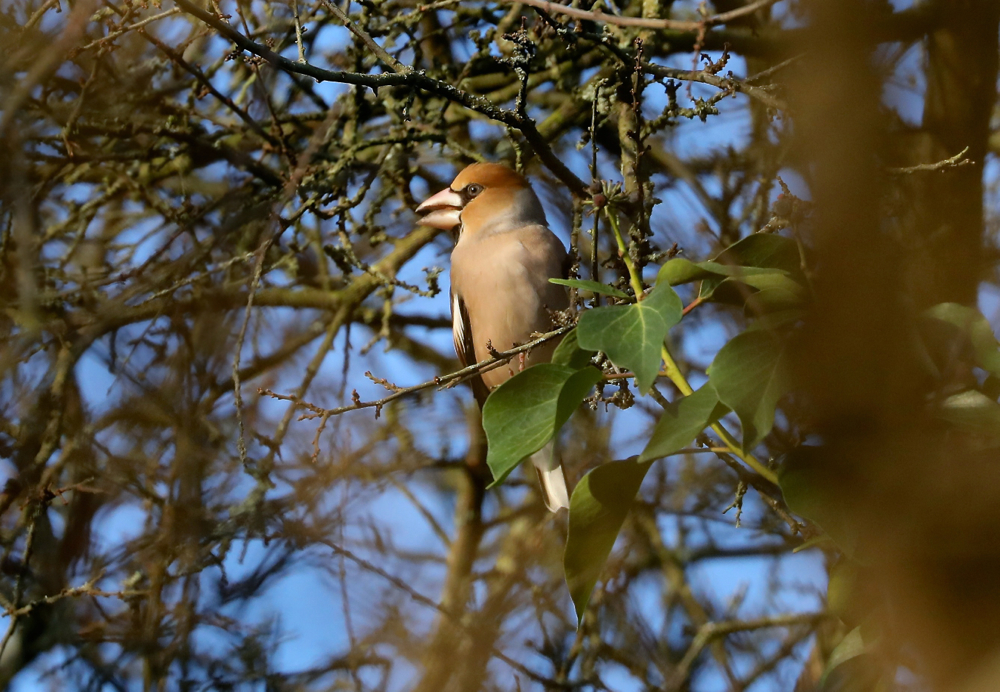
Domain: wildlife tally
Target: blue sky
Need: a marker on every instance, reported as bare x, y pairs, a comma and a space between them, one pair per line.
308, 602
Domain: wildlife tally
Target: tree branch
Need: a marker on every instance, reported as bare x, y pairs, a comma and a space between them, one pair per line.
645, 22
411, 78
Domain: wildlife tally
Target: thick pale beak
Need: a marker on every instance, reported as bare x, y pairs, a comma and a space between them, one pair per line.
443, 210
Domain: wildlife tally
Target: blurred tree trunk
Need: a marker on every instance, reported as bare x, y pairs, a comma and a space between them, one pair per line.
922, 498
961, 77
443, 662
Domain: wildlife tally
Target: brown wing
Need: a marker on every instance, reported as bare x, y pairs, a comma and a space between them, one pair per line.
461, 331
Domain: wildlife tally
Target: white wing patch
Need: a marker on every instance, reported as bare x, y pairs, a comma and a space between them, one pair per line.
458, 327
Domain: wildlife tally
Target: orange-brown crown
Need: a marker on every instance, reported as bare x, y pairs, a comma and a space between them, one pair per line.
485, 197
489, 175
504, 200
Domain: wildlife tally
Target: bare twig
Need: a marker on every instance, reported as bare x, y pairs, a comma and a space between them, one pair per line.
410, 78
47, 63
442, 382
131, 27
728, 83
646, 22
956, 161
711, 631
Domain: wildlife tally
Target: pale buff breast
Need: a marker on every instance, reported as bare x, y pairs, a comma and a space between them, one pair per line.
503, 279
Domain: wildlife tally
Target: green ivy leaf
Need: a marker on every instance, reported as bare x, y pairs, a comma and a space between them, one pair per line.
592, 286
846, 670
853, 644
763, 251
806, 486
632, 335
749, 376
770, 300
991, 387
681, 271
973, 411
597, 510
681, 422
777, 320
733, 290
527, 411
979, 332
814, 542
569, 353
853, 595
774, 280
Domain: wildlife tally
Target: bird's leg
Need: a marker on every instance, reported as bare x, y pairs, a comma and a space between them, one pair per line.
522, 358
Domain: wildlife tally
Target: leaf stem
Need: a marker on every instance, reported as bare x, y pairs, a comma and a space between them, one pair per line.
670, 365
675, 375
749, 459
692, 305
674, 372
633, 273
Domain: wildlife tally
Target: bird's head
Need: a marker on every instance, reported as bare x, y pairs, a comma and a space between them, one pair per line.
484, 198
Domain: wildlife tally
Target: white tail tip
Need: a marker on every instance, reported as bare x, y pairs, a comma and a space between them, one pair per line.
554, 490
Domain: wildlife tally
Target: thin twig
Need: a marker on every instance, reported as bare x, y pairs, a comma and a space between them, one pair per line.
374, 47
646, 22
729, 83
47, 62
424, 600
956, 161
711, 631
442, 382
412, 79
131, 27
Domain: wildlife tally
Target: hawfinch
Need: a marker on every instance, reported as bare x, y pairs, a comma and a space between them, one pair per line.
500, 290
